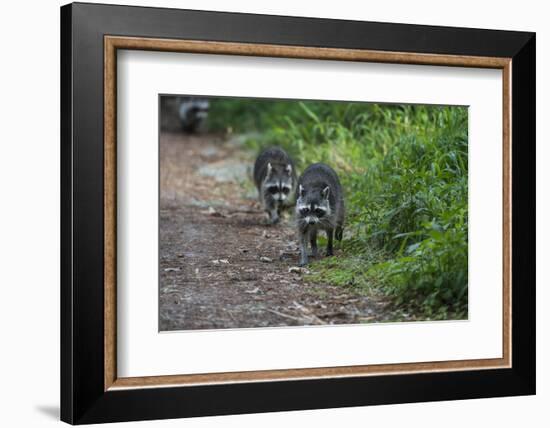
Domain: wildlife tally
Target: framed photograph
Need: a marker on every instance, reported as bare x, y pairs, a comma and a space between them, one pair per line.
266, 213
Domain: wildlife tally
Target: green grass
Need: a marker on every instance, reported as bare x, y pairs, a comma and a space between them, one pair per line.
405, 174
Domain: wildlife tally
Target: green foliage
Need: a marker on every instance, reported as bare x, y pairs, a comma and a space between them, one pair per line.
405, 173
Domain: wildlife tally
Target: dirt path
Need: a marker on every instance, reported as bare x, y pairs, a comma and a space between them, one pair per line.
221, 266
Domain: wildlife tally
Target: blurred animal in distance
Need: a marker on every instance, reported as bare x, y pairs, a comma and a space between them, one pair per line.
193, 112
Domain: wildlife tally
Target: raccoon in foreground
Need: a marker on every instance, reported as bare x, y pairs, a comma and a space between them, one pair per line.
320, 206
275, 180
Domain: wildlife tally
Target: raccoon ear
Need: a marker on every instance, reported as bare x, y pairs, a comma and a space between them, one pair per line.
326, 192
269, 169
300, 190
289, 169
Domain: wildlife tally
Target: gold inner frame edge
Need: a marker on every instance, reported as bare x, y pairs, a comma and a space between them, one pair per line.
113, 43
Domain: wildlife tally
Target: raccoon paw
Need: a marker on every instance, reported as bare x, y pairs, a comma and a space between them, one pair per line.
270, 221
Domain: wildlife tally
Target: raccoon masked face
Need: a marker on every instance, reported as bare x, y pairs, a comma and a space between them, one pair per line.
278, 182
312, 207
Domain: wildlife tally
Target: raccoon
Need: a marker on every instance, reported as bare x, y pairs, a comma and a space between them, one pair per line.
275, 180
320, 206
193, 112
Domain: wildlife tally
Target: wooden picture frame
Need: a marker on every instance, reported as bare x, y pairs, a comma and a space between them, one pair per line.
91, 390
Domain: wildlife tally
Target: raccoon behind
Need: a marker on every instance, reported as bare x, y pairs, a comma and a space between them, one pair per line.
320, 206
275, 179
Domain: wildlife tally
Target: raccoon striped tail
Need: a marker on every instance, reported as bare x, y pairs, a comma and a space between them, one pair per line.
338, 233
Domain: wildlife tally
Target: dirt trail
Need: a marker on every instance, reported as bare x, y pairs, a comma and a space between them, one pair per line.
221, 266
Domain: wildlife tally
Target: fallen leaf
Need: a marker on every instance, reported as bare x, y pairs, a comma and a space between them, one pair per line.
212, 212
265, 259
296, 269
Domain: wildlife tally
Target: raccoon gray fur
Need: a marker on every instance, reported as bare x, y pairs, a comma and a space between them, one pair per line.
275, 179
319, 206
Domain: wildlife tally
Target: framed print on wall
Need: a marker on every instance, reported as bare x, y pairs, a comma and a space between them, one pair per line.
265, 213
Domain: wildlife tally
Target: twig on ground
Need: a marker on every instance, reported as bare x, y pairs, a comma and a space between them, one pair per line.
314, 318
333, 314
284, 315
